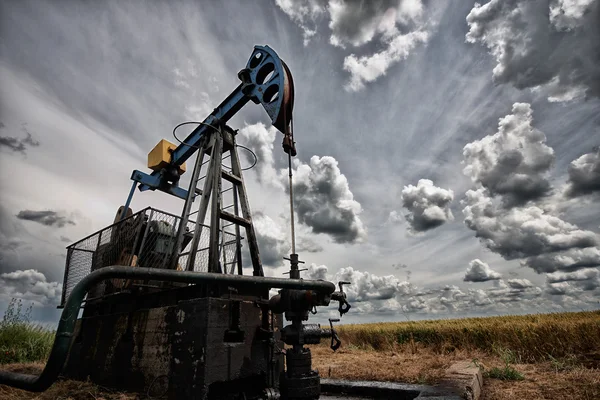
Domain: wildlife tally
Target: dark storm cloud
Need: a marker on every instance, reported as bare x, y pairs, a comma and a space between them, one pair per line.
479, 271
514, 162
584, 174
324, 202
19, 145
539, 43
428, 205
48, 218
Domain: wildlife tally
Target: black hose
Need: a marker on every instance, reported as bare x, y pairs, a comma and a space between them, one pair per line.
68, 318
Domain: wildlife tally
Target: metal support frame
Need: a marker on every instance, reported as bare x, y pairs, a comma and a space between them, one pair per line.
245, 206
215, 207
212, 193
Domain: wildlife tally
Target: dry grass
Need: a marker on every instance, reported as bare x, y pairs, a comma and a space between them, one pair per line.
557, 354
61, 390
529, 338
543, 380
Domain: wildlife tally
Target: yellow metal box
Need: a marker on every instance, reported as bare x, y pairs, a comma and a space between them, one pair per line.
160, 156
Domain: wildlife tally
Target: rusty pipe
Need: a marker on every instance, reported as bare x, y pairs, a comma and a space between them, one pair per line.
68, 318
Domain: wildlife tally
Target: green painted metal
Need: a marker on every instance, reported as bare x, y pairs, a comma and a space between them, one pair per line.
66, 325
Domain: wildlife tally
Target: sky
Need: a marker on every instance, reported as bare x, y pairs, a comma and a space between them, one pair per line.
448, 161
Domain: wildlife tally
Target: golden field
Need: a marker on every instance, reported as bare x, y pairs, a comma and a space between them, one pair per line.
544, 356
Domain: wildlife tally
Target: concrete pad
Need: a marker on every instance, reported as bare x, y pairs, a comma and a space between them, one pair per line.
466, 377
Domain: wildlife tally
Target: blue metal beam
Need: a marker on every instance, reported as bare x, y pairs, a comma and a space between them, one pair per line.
265, 80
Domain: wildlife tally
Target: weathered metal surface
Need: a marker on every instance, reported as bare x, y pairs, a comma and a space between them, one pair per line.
184, 344
66, 326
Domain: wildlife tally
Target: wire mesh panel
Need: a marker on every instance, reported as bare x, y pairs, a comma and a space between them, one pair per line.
146, 239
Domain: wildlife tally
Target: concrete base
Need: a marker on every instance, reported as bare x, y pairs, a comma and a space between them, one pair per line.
463, 381
183, 351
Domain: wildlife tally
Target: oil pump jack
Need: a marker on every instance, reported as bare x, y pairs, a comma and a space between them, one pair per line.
165, 306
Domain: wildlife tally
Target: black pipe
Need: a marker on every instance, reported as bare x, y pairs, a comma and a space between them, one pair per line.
68, 318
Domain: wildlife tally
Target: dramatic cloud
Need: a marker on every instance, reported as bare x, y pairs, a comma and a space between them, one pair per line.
398, 26
324, 202
541, 44
17, 144
584, 174
365, 286
48, 218
479, 271
569, 260
260, 140
521, 232
428, 205
514, 162
584, 279
271, 239
30, 285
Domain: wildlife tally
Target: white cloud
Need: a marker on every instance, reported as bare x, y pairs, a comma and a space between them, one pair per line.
366, 69
365, 286
584, 174
316, 272
479, 271
514, 162
428, 205
30, 285
260, 140
271, 239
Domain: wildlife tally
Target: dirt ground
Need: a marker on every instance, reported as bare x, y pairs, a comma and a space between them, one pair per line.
574, 379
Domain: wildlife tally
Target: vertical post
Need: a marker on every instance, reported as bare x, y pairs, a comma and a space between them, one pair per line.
250, 233
208, 182
215, 217
185, 215
63, 296
238, 242
138, 230
145, 234
128, 202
